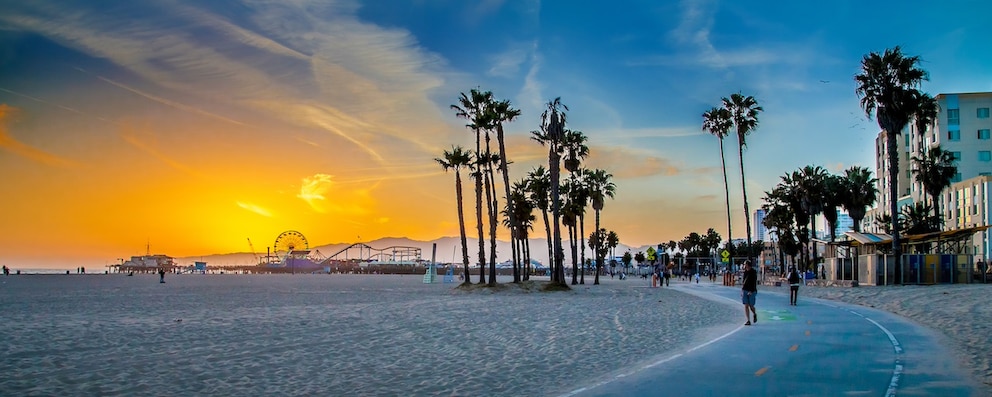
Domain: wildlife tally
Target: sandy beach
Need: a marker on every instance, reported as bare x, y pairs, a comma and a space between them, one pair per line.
962, 313
331, 335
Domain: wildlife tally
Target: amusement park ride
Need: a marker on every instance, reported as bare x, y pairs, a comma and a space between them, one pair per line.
292, 252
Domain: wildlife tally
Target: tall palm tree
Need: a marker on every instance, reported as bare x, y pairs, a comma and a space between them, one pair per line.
601, 186
810, 189
539, 190
456, 159
551, 134
472, 107
935, 169
744, 113
833, 195
502, 112
718, 122
861, 191
888, 86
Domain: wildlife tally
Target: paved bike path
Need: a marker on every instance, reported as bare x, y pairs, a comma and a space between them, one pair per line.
818, 348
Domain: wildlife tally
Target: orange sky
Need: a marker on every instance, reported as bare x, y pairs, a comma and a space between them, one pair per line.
192, 128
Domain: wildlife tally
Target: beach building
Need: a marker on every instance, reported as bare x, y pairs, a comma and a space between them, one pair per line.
148, 263
963, 128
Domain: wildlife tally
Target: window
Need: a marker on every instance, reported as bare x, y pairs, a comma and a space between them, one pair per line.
983, 113
983, 134
957, 156
957, 177
953, 116
954, 135
984, 155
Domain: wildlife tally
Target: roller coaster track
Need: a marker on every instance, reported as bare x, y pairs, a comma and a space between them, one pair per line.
364, 252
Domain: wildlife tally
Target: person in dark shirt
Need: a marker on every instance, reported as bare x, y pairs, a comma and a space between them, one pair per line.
749, 293
794, 281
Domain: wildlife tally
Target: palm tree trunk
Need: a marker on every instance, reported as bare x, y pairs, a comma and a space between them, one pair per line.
597, 249
893, 155
493, 214
747, 213
478, 218
582, 248
559, 255
726, 189
461, 225
506, 187
551, 256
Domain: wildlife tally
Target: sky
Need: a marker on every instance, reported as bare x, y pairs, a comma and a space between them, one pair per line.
191, 127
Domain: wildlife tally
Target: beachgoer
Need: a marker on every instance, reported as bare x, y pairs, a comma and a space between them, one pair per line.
749, 293
6, 270
697, 278
794, 281
161, 275
668, 274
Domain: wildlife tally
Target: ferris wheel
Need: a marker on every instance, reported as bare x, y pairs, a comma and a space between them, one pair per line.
290, 241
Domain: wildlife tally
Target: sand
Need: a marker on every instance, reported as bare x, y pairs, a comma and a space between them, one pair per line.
960, 312
332, 335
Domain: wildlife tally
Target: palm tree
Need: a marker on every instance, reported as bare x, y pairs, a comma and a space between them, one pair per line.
935, 170
538, 188
810, 181
718, 122
600, 187
833, 195
552, 132
744, 113
861, 191
500, 112
456, 159
472, 107
888, 87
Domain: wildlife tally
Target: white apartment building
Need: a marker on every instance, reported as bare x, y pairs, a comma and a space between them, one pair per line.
963, 128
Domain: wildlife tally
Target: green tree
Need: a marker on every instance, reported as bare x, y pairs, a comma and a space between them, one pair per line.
861, 192
718, 122
472, 107
935, 169
888, 86
500, 112
551, 134
600, 187
456, 159
744, 113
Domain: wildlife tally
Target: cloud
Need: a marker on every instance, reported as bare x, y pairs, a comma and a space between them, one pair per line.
507, 64
313, 188
255, 209
12, 145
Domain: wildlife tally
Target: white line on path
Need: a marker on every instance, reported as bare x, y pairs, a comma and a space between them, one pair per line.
659, 362
897, 371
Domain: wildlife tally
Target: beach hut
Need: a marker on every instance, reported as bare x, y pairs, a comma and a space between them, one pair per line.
930, 258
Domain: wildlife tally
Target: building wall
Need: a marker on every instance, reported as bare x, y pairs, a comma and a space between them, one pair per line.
963, 127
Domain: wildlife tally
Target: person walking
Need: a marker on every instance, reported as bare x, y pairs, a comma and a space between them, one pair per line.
749, 293
161, 275
794, 280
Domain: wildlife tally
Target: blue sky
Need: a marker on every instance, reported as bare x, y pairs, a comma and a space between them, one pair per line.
194, 123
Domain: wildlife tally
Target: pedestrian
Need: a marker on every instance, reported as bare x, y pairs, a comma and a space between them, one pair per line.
697, 277
6, 270
794, 280
161, 275
749, 293
668, 273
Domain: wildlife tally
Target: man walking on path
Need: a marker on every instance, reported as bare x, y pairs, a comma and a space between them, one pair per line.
749, 293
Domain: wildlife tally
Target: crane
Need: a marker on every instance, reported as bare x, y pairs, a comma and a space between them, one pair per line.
252, 251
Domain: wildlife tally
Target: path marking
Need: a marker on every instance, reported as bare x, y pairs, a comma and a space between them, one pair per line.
794, 348
659, 362
762, 371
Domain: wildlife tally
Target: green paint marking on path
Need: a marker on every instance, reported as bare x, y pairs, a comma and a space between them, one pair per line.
776, 315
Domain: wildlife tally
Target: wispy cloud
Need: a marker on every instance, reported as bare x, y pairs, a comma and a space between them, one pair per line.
254, 208
12, 145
